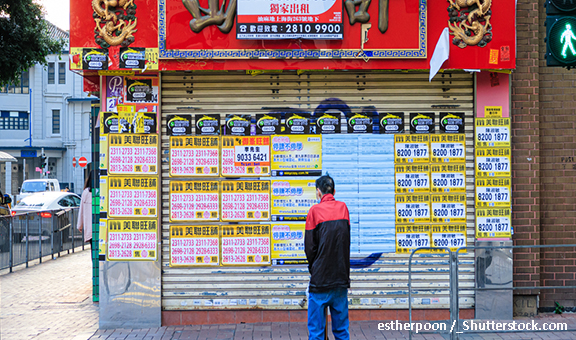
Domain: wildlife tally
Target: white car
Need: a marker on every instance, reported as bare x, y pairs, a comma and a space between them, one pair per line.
45, 202
32, 186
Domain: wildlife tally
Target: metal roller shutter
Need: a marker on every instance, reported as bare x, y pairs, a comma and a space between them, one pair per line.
381, 285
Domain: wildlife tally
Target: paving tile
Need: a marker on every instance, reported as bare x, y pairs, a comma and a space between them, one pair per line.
60, 308
50, 301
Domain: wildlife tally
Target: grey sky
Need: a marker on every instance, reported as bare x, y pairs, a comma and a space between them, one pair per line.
57, 12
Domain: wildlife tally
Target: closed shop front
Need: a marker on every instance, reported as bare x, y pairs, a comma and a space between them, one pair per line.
363, 166
214, 129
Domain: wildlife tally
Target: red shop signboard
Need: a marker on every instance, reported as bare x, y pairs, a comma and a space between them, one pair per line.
297, 34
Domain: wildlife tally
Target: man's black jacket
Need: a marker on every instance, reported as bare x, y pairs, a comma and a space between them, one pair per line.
327, 245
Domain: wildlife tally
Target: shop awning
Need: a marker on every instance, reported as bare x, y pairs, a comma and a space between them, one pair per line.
6, 157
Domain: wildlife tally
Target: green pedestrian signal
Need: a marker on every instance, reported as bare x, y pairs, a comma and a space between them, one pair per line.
566, 40
561, 33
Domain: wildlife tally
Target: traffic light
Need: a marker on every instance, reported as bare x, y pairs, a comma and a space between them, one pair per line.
561, 33
42, 161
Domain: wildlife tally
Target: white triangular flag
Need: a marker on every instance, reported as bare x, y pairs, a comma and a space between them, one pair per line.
441, 53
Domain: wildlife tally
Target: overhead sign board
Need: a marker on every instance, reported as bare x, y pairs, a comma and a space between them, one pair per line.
208, 30
299, 19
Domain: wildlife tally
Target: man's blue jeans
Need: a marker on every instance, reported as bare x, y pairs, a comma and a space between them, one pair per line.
337, 300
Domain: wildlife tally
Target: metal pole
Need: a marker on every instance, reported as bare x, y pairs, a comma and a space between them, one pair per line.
27, 224
30, 117
410, 293
40, 239
61, 241
82, 235
10, 243
52, 243
453, 297
70, 216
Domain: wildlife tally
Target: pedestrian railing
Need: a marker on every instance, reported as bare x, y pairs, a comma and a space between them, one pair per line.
454, 328
34, 235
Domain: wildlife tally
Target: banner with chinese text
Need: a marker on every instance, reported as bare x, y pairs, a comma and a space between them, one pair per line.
410, 237
245, 244
411, 148
133, 154
194, 156
291, 199
246, 156
194, 201
245, 201
451, 236
288, 243
194, 246
297, 155
132, 240
133, 196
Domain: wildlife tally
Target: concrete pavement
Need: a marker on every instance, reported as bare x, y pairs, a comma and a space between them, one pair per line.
52, 301
359, 330
49, 301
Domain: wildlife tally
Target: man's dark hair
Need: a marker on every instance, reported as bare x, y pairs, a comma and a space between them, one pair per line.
325, 184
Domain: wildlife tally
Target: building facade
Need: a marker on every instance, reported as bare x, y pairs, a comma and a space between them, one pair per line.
544, 152
46, 110
223, 121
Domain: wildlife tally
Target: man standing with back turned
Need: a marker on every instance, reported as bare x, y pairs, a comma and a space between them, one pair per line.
327, 246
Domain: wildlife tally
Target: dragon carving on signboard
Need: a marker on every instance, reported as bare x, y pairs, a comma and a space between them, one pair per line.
214, 15
115, 22
469, 22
